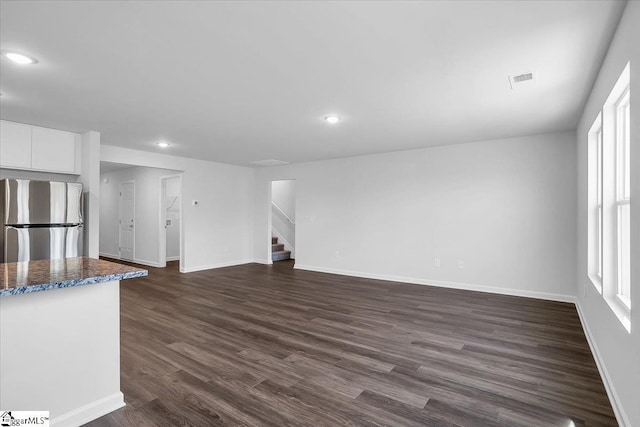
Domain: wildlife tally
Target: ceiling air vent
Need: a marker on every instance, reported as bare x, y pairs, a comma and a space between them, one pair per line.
519, 80
269, 162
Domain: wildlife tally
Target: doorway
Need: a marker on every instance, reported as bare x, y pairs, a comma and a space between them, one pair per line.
283, 220
126, 219
170, 218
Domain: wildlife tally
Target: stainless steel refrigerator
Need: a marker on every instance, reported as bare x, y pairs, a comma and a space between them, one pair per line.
40, 220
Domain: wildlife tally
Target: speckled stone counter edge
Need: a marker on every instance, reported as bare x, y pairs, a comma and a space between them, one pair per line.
69, 283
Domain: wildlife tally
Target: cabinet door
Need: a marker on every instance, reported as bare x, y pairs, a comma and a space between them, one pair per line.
53, 150
15, 145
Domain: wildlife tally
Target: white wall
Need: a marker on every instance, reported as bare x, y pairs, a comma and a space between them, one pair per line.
218, 231
617, 352
147, 212
283, 194
90, 179
173, 203
506, 208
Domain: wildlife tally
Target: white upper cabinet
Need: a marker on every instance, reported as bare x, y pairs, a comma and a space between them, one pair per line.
53, 150
15, 145
39, 149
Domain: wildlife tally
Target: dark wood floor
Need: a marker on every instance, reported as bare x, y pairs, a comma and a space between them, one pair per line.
259, 345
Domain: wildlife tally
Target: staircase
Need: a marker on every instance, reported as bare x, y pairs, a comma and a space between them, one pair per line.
277, 251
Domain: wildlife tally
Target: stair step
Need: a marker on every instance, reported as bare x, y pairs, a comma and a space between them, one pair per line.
274, 240
277, 247
280, 255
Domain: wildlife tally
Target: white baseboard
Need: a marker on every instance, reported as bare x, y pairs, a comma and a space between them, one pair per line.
621, 416
89, 412
138, 261
452, 285
108, 255
148, 263
217, 265
263, 261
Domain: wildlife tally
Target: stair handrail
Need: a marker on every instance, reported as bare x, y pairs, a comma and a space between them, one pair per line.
281, 212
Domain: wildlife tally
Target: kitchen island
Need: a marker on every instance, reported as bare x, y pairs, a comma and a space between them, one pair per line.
60, 337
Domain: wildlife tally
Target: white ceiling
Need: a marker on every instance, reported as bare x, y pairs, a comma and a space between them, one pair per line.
236, 82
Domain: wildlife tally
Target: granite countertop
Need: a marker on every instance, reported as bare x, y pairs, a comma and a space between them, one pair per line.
24, 277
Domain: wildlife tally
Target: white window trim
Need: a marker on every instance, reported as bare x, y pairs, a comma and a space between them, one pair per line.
623, 298
611, 130
599, 199
624, 101
594, 184
621, 198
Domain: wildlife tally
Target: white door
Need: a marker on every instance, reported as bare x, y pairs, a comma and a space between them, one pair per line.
127, 215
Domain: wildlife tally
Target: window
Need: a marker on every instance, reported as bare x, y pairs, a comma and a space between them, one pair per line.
599, 202
623, 198
595, 203
609, 200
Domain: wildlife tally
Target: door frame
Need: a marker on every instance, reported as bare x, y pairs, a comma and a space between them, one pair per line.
133, 240
270, 217
162, 231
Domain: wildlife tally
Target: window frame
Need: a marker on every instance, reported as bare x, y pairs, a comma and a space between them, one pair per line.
595, 185
622, 108
613, 133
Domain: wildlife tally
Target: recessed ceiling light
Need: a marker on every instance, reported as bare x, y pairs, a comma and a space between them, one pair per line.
332, 119
162, 144
19, 58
